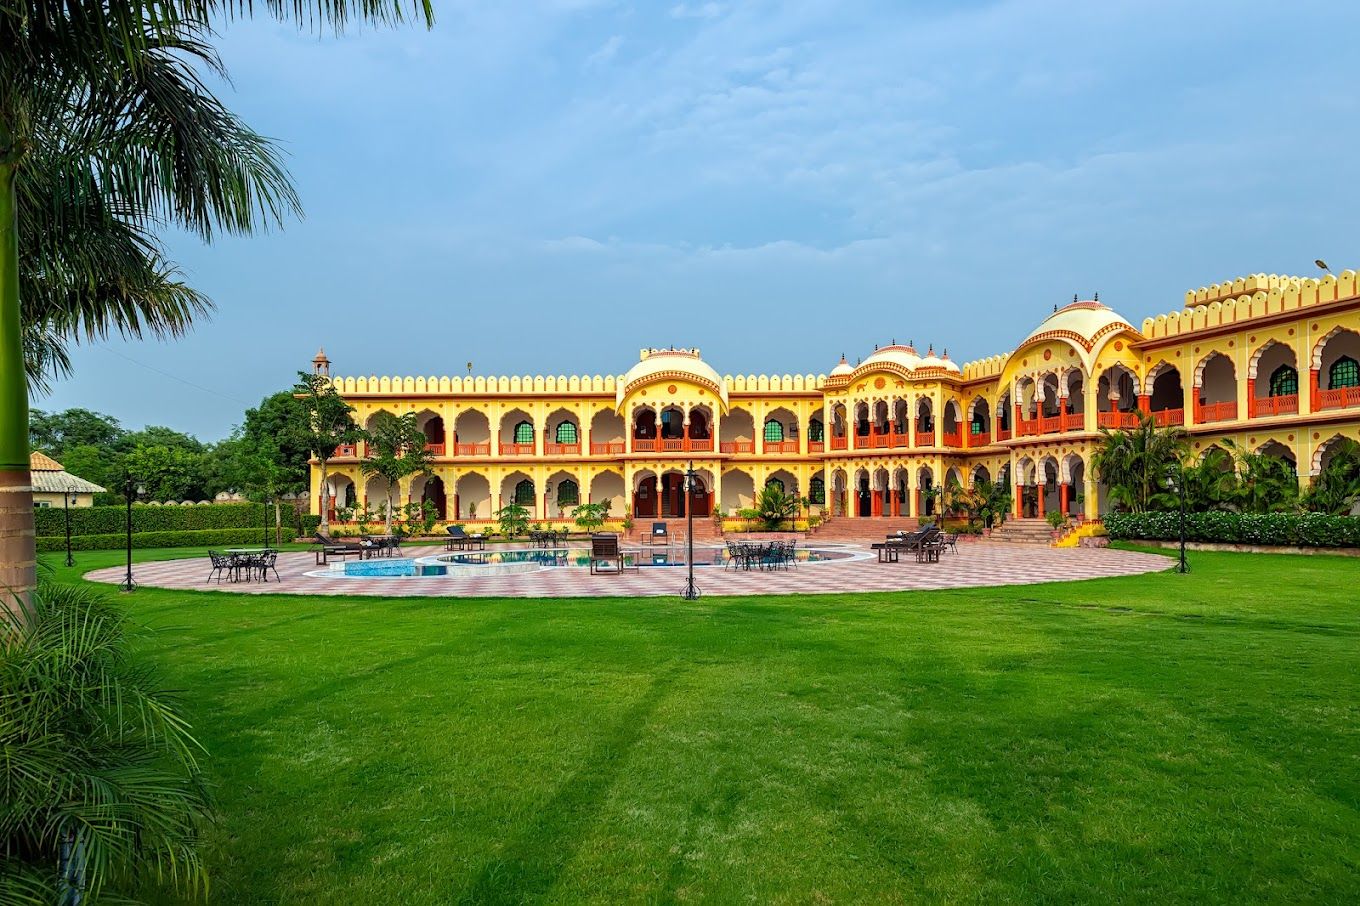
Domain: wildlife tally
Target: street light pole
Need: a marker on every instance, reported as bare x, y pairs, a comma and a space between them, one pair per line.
66, 505
129, 489
1183, 567
691, 591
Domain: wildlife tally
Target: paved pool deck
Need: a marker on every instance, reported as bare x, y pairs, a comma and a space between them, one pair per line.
976, 564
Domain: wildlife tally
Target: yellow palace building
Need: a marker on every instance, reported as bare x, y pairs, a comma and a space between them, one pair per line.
1268, 362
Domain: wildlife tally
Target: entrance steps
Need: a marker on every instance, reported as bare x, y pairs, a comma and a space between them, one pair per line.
704, 529
1024, 531
875, 528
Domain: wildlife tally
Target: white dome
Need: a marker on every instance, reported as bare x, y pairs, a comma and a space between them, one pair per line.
663, 364
1088, 320
842, 367
904, 356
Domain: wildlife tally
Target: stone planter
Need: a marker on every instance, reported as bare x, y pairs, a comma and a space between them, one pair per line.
1094, 541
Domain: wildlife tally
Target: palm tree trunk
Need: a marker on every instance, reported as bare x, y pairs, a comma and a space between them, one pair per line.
325, 524
387, 524
18, 556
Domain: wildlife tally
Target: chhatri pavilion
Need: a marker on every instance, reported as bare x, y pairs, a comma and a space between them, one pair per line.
1269, 362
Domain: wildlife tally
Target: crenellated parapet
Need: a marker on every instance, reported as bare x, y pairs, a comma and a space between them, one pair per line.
1247, 298
989, 368
774, 383
479, 385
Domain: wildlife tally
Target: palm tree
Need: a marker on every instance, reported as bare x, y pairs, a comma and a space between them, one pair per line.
107, 133
1134, 463
398, 451
775, 506
102, 786
1336, 489
1264, 483
1210, 483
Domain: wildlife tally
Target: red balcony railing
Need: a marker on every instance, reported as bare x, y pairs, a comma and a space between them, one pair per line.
345, 451
880, 441
1218, 412
472, 449
781, 446
816, 446
899, 439
925, 438
561, 449
1164, 417
644, 444
607, 448
1275, 405
1340, 398
979, 438
434, 449
1050, 424
1117, 420
1028, 427
1003, 434
517, 449
952, 438
737, 446
701, 444
838, 443
1073, 421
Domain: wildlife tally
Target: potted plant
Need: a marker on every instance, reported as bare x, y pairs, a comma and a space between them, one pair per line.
1057, 521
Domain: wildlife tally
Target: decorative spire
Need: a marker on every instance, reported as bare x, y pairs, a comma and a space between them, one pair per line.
1097, 297
320, 364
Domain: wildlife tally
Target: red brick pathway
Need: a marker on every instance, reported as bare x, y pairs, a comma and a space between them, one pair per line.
977, 563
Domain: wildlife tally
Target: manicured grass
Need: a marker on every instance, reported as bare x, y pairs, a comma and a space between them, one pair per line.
1156, 738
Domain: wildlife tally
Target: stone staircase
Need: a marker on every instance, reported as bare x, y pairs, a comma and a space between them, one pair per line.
870, 528
1024, 531
705, 532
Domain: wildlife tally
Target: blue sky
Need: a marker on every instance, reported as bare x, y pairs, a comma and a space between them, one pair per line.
547, 187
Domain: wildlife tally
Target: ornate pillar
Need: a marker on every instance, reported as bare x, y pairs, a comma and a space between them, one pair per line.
1062, 498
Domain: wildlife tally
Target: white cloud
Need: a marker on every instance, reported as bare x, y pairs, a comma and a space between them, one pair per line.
606, 52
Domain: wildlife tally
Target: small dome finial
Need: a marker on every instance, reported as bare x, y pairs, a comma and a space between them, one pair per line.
1096, 298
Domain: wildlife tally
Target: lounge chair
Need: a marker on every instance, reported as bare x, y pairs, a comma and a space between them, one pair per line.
327, 547
660, 534
604, 550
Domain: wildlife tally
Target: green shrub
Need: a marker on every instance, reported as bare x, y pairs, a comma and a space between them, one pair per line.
108, 520
253, 537
1307, 529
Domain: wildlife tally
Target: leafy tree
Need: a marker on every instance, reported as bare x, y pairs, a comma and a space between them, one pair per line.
57, 432
1336, 489
1134, 463
280, 422
513, 519
1210, 484
590, 517
774, 506
993, 501
330, 423
397, 450
168, 473
159, 436
102, 789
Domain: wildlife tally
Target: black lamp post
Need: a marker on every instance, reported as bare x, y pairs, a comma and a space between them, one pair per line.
1175, 482
130, 490
68, 498
691, 591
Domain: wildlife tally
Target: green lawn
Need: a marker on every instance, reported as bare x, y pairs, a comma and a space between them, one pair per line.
1157, 738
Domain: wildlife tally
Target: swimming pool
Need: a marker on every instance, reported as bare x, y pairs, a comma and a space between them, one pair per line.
502, 562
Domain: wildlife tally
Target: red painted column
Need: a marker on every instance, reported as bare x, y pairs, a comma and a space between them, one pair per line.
1251, 397
1042, 488
1314, 388
1144, 405
1062, 497
876, 503
1019, 501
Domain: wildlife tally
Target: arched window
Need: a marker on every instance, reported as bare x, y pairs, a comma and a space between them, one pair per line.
524, 433
1345, 372
524, 492
1284, 381
568, 492
566, 433
774, 431
816, 431
816, 487
776, 482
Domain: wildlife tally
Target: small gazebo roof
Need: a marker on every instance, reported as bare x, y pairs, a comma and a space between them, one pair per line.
50, 478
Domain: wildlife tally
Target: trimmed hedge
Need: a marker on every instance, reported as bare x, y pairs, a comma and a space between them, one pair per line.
1303, 529
110, 520
252, 537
